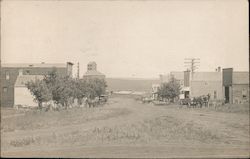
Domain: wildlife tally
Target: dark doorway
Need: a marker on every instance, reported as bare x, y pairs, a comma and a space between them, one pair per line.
186, 94
227, 94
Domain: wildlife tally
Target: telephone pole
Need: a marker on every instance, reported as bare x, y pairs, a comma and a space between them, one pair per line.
192, 64
78, 76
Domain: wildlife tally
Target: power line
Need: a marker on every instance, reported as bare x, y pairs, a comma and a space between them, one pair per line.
192, 64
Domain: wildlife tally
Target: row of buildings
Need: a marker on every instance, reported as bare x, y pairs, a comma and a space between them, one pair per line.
15, 76
226, 84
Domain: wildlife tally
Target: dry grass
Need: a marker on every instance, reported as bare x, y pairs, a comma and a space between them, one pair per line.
36, 119
22, 142
159, 130
156, 130
234, 108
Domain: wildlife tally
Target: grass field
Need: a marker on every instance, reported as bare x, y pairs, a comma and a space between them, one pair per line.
111, 131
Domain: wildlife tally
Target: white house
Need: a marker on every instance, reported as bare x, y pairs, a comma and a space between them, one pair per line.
22, 95
155, 88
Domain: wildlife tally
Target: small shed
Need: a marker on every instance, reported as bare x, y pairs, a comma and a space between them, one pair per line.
22, 95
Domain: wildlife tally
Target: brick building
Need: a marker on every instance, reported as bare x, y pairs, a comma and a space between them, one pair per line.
10, 72
235, 86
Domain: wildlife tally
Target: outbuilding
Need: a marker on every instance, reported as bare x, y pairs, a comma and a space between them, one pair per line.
22, 95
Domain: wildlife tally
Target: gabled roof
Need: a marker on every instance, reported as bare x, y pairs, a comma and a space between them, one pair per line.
41, 65
22, 80
240, 77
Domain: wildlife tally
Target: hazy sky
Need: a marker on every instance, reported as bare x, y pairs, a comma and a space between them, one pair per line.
127, 38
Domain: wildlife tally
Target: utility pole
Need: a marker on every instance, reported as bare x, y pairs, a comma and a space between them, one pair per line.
78, 69
192, 64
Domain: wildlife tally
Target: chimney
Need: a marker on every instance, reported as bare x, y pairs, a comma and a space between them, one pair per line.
219, 69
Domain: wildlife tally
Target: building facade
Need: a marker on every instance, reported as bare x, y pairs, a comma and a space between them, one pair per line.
204, 83
235, 86
155, 89
198, 83
228, 85
10, 72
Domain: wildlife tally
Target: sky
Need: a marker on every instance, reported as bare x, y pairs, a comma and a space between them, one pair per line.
140, 39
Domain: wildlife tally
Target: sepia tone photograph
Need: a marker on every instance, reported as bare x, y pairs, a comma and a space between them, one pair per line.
125, 78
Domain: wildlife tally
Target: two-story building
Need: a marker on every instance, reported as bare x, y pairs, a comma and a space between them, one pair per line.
197, 83
235, 86
10, 73
228, 85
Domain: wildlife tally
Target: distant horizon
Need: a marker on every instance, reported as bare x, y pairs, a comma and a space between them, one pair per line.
127, 77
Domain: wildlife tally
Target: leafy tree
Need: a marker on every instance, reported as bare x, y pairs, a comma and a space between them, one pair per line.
95, 87
52, 77
169, 90
40, 91
63, 90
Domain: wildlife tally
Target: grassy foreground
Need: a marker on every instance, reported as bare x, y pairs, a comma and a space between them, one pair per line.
124, 122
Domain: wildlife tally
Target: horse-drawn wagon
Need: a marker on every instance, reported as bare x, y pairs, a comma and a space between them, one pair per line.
195, 101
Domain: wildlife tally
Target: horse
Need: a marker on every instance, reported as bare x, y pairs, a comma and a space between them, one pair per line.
92, 102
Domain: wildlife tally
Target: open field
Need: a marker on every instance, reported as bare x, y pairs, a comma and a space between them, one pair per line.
126, 128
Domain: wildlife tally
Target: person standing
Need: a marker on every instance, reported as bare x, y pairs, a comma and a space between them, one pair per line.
208, 99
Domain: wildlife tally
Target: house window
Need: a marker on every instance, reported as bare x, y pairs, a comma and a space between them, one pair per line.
215, 95
89, 67
244, 93
7, 75
5, 89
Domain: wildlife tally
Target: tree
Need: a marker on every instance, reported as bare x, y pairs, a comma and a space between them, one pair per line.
95, 87
79, 88
51, 78
169, 90
40, 91
63, 90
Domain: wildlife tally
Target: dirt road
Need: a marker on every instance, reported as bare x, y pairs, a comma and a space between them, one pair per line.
127, 128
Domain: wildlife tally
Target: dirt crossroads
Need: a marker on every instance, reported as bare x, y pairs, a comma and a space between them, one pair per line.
127, 128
